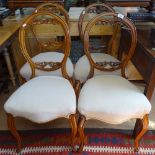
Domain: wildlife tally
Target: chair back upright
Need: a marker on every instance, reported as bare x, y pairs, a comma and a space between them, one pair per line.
55, 9
89, 12
39, 34
109, 21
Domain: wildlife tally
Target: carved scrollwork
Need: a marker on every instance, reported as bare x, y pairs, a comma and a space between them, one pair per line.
110, 22
47, 65
51, 9
109, 64
51, 44
97, 9
44, 21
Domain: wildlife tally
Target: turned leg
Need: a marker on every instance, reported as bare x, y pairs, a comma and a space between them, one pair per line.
73, 123
12, 128
137, 128
81, 123
140, 129
9, 66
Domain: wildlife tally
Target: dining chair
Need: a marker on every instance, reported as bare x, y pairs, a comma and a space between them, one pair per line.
112, 98
43, 98
99, 47
43, 39
54, 8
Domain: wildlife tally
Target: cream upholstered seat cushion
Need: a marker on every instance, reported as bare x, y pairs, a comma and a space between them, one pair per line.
25, 71
112, 99
82, 67
42, 99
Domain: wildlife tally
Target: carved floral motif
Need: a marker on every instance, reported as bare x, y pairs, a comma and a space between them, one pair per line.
44, 21
108, 64
47, 65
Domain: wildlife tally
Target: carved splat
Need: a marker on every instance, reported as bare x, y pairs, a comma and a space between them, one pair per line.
108, 64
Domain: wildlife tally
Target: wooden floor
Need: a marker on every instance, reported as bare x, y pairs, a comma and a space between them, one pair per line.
23, 124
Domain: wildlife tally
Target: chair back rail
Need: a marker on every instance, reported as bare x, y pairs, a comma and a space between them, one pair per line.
44, 42
89, 12
115, 20
55, 9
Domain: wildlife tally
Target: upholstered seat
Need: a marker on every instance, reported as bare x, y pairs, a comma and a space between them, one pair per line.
42, 99
82, 67
26, 72
112, 99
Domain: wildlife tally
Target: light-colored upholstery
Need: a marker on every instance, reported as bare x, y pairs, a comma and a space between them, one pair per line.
25, 71
82, 67
112, 99
42, 99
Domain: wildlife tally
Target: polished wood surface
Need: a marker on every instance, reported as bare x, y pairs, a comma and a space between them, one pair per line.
149, 4
8, 31
144, 58
15, 4
141, 126
146, 62
10, 26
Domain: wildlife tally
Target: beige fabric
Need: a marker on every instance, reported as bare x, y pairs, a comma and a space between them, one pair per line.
25, 71
42, 99
112, 99
82, 67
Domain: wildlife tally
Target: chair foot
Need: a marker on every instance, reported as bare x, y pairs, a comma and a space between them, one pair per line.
73, 123
81, 123
12, 128
140, 129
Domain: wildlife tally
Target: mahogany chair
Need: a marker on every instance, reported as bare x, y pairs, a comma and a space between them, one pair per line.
82, 67
55, 9
44, 40
112, 98
43, 98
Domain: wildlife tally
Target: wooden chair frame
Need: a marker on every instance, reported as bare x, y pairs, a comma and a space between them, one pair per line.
141, 125
66, 47
33, 65
114, 66
57, 9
